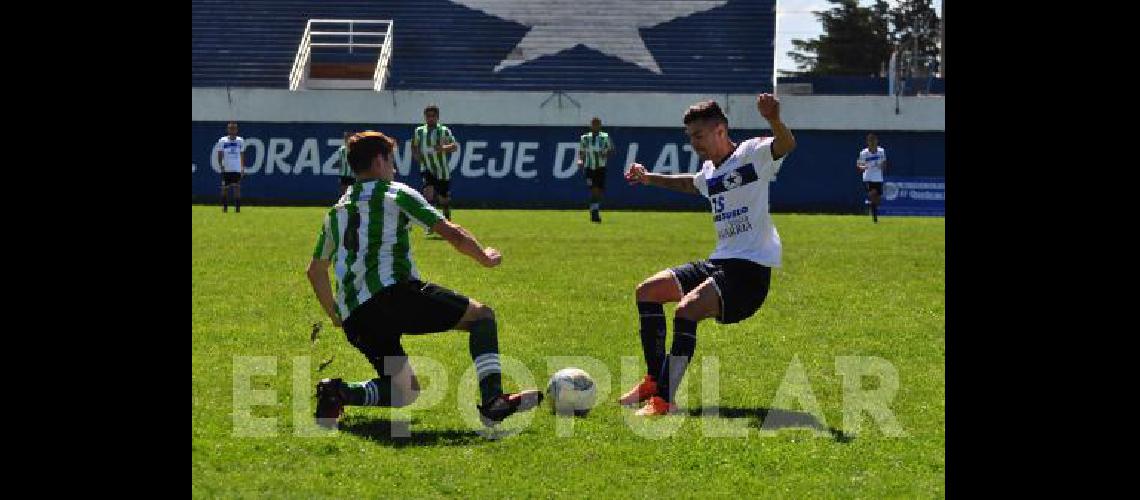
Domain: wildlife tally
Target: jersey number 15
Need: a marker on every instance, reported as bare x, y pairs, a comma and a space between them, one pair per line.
718, 204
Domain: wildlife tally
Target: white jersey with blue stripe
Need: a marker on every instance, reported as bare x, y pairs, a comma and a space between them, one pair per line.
738, 192
874, 162
231, 153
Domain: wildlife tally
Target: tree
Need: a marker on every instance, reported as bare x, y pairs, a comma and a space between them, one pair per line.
856, 41
916, 26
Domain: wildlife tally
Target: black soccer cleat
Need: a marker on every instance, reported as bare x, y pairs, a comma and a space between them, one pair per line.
332, 394
505, 405
595, 216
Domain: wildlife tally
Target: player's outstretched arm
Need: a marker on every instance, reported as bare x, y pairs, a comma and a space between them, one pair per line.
318, 273
680, 182
769, 108
466, 244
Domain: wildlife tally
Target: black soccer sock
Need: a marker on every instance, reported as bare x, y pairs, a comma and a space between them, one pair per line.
237, 204
375, 392
225, 202
652, 335
483, 342
673, 369
447, 211
874, 211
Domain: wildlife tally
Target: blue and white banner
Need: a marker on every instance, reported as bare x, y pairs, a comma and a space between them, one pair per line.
519, 167
913, 196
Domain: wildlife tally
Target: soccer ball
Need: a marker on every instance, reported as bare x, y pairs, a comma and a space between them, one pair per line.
571, 391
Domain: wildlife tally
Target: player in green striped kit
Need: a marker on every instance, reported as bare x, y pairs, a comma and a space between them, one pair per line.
593, 149
346, 177
432, 143
380, 295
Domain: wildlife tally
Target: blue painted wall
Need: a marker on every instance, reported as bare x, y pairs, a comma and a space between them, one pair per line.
517, 166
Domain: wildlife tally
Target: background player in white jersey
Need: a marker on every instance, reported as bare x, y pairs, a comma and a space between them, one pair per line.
380, 296
594, 147
230, 148
733, 283
873, 162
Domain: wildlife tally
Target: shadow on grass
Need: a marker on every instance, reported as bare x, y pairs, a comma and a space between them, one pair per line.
401, 433
771, 419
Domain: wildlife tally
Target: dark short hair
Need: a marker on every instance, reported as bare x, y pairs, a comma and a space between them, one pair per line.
367, 145
705, 111
595, 119
231, 123
431, 107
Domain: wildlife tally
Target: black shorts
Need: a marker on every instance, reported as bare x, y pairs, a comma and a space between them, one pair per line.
742, 284
231, 178
347, 180
877, 187
441, 187
409, 307
596, 177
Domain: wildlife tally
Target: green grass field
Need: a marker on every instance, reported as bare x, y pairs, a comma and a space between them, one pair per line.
565, 288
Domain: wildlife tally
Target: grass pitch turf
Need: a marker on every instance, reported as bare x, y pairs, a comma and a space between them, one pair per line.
848, 288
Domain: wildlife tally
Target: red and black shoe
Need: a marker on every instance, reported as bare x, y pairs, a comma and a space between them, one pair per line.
332, 394
505, 405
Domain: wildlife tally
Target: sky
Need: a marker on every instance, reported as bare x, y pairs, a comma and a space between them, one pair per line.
794, 19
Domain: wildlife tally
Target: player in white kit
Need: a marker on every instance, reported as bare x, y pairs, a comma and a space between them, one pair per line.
733, 283
233, 166
873, 162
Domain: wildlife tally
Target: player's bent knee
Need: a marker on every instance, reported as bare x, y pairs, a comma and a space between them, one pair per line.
693, 310
476, 312
661, 287
703, 302
486, 313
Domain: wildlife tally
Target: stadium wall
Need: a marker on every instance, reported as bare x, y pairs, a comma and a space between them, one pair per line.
517, 149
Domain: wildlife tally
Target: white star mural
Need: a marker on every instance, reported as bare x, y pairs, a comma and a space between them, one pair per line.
609, 27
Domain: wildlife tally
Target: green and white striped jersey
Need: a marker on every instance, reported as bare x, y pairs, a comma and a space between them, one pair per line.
593, 147
342, 162
425, 141
366, 236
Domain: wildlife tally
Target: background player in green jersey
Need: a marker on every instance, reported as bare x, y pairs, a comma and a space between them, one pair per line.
432, 144
593, 149
380, 296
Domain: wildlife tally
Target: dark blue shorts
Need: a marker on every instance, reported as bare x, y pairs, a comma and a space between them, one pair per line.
742, 284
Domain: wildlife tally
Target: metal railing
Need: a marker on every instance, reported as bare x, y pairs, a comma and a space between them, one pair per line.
380, 76
302, 62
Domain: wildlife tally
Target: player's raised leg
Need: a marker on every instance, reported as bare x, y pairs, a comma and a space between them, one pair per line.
651, 294
700, 303
483, 344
